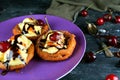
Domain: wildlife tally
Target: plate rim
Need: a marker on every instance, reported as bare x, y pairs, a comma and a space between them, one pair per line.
66, 20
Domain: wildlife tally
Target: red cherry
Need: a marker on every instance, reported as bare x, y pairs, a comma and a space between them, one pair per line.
89, 57
107, 17
117, 19
4, 45
84, 13
41, 22
53, 37
111, 77
112, 40
100, 21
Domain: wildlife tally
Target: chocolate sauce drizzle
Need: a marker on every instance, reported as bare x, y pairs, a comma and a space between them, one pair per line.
25, 31
15, 49
4, 72
42, 43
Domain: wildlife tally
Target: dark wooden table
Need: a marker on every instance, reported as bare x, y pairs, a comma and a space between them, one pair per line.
84, 71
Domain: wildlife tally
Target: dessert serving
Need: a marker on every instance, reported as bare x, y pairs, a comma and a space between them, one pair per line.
38, 66
55, 45
16, 52
34, 37
31, 28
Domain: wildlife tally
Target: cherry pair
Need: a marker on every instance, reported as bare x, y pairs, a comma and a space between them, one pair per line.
107, 17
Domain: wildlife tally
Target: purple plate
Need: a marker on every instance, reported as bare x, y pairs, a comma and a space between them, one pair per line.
44, 70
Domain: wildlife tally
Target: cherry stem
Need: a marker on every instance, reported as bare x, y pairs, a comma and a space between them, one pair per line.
102, 49
89, 7
47, 23
33, 17
110, 11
